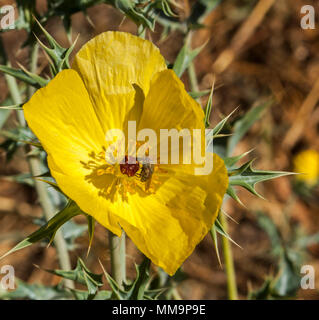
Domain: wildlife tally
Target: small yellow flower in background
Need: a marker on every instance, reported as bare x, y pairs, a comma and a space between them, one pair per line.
307, 163
118, 77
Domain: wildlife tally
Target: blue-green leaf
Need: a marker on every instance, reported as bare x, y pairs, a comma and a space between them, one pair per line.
247, 177
184, 58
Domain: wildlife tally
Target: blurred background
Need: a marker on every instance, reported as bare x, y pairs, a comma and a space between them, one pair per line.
257, 52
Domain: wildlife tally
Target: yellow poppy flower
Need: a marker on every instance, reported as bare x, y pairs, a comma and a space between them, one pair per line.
117, 77
307, 164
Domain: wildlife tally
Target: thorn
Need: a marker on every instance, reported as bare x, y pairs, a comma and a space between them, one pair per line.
230, 217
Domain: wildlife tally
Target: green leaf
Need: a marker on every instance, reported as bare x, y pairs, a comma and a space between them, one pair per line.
91, 227
84, 295
211, 134
195, 95
213, 234
232, 193
35, 292
58, 55
25, 76
137, 290
49, 229
231, 161
165, 5
141, 281
103, 295
52, 184
242, 125
24, 178
208, 108
82, 275
185, 57
221, 231
247, 177
287, 281
219, 127
21, 135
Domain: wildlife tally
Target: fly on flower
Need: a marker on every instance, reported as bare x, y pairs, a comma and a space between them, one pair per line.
165, 208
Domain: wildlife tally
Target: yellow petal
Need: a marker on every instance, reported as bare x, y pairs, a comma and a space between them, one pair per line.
109, 65
62, 117
168, 105
167, 225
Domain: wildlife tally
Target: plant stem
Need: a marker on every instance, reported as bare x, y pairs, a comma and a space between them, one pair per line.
35, 169
118, 257
33, 65
191, 68
229, 262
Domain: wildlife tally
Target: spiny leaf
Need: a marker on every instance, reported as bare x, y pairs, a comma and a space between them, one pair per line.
208, 108
247, 177
228, 216
52, 184
167, 8
137, 290
185, 57
221, 231
220, 125
231, 161
21, 135
27, 77
244, 124
213, 234
82, 275
49, 229
141, 281
211, 134
232, 193
58, 55
91, 227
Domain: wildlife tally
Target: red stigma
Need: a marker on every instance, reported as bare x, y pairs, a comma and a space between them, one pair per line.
129, 169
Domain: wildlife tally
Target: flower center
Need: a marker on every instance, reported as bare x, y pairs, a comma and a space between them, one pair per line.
129, 169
